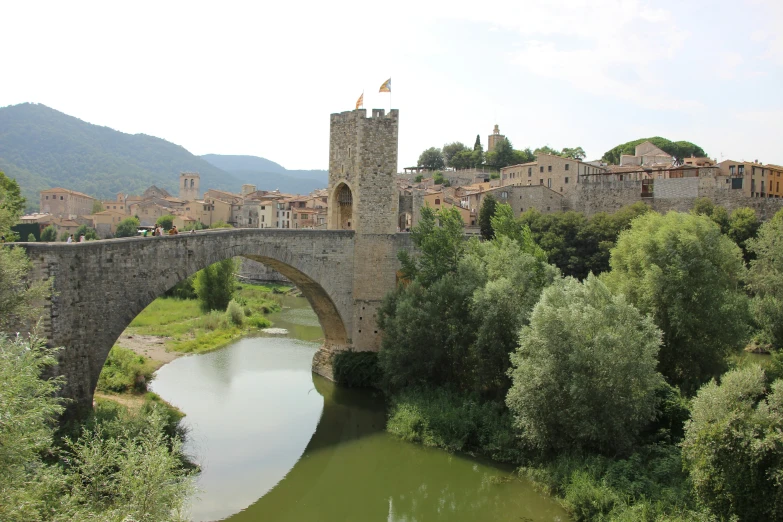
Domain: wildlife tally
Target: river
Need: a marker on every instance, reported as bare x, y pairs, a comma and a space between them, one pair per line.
279, 443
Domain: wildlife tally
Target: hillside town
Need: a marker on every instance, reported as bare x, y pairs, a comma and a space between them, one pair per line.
551, 183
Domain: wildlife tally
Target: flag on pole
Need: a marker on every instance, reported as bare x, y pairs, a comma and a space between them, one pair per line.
386, 87
360, 101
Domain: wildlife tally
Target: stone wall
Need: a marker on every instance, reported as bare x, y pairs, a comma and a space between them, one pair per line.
677, 194
259, 272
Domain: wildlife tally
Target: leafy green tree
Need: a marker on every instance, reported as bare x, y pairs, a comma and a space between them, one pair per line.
64, 236
681, 270
431, 159
437, 178
504, 225
215, 285
166, 221
478, 153
198, 225
49, 234
577, 153
488, 206
477, 145
733, 446
452, 149
523, 156
221, 224
20, 298
418, 178
546, 149
31, 238
97, 206
462, 160
743, 225
765, 279
11, 205
502, 155
128, 227
584, 375
89, 233
439, 239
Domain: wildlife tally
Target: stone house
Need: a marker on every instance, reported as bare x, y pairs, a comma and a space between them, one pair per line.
105, 222
647, 154
64, 203
554, 172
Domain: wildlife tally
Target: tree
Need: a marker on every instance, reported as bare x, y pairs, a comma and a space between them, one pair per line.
743, 225
477, 145
584, 375
166, 221
431, 159
680, 269
439, 240
88, 233
20, 298
452, 149
49, 234
523, 156
31, 238
11, 205
128, 227
462, 160
486, 212
97, 206
765, 279
437, 178
477, 157
546, 149
577, 153
733, 446
502, 155
418, 178
215, 285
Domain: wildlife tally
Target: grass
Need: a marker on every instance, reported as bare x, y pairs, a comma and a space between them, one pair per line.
191, 330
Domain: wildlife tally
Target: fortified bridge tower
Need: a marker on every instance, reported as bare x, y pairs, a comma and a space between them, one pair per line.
99, 287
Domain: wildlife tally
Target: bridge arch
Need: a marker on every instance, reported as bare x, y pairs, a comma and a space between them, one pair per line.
101, 286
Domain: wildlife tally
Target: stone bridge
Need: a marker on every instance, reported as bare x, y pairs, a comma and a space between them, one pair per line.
101, 286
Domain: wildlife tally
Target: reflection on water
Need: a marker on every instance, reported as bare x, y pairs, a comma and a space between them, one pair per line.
278, 443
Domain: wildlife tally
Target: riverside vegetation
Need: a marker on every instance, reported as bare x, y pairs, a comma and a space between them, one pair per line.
621, 390
122, 462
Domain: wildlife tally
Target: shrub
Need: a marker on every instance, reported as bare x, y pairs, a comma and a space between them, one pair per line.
128, 227
213, 320
258, 321
449, 420
235, 313
357, 369
124, 370
584, 375
49, 234
733, 446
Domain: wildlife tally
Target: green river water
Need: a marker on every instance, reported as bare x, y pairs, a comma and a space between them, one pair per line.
279, 443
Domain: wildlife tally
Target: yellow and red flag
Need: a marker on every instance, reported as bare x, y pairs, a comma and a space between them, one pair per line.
386, 87
360, 101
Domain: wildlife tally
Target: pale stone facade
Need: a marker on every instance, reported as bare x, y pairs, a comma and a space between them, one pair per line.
64, 203
189, 185
647, 154
554, 172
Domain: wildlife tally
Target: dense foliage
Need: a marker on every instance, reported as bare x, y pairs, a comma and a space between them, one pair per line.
128, 227
356, 369
680, 269
765, 280
115, 469
678, 149
124, 370
486, 213
431, 159
215, 285
605, 351
733, 446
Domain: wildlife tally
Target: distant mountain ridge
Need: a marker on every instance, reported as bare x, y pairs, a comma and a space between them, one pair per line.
268, 175
44, 148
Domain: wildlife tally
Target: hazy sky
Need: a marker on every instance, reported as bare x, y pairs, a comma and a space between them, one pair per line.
261, 78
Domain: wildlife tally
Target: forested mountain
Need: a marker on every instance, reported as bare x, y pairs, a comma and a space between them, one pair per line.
678, 149
268, 175
44, 148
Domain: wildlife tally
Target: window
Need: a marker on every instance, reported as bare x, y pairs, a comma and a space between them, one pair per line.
61, 198
566, 179
567, 165
549, 182
504, 194
529, 171
262, 218
741, 170
541, 180
437, 201
47, 197
541, 168
731, 170
549, 168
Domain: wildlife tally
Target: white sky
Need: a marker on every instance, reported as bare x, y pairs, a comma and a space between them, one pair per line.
261, 78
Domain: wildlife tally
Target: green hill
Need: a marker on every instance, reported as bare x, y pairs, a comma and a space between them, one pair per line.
44, 148
268, 175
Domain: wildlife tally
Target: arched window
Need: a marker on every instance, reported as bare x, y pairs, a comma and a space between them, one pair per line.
437, 201
186, 184
191, 183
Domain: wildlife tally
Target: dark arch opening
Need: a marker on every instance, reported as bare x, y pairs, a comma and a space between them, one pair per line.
342, 207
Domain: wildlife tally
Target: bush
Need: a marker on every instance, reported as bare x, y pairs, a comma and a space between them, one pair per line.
258, 321
454, 422
733, 446
235, 313
128, 227
31, 238
215, 285
214, 320
584, 375
357, 369
49, 234
124, 370
166, 222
